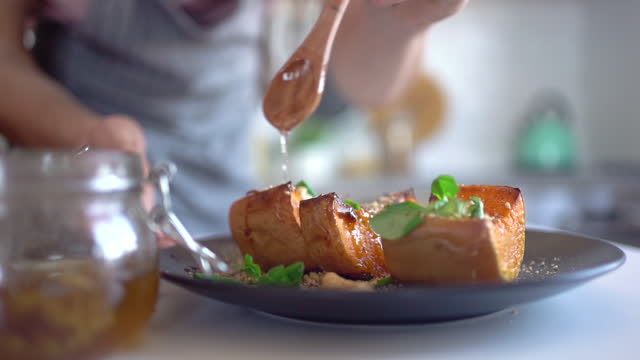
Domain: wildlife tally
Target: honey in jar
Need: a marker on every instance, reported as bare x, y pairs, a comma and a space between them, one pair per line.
72, 310
78, 262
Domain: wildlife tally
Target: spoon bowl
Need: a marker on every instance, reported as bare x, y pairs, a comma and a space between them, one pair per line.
297, 88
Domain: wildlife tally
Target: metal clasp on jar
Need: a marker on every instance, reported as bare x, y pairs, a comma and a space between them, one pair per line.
163, 220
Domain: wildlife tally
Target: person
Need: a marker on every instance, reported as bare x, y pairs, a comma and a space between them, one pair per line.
176, 80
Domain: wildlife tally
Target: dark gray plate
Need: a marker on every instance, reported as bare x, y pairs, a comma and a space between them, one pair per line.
554, 262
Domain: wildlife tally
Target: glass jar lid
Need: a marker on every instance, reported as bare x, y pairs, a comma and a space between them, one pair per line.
70, 171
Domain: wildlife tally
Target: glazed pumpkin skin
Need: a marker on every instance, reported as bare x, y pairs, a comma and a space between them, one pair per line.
505, 205
339, 238
444, 251
266, 225
277, 227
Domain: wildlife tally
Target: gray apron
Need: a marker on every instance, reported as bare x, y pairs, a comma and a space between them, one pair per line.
192, 88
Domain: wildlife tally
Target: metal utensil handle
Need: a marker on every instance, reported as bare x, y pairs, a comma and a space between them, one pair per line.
165, 221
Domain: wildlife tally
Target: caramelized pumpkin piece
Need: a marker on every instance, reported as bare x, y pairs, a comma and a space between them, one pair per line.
451, 250
266, 225
339, 239
505, 206
277, 227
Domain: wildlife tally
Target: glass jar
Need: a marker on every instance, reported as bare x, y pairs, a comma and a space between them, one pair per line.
78, 261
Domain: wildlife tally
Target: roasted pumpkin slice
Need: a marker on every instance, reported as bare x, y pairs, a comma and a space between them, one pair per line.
266, 225
449, 251
338, 237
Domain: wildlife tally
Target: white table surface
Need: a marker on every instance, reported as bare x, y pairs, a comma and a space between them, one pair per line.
598, 320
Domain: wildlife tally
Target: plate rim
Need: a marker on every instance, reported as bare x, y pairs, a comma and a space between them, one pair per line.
564, 278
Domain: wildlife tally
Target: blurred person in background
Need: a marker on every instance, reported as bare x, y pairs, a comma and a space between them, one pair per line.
184, 75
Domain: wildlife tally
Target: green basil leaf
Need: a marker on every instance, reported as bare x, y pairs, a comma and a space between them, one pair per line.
384, 282
444, 187
275, 276
436, 205
304, 184
283, 276
454, 208
295, 272
353, 204
397, 220
476, 210
250, 268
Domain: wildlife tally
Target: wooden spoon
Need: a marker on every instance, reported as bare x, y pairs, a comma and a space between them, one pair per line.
296, 90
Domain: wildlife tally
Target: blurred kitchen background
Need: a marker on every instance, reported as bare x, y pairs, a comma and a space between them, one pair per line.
540, 94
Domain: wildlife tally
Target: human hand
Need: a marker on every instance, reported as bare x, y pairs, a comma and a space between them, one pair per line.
118, 132
417, 15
